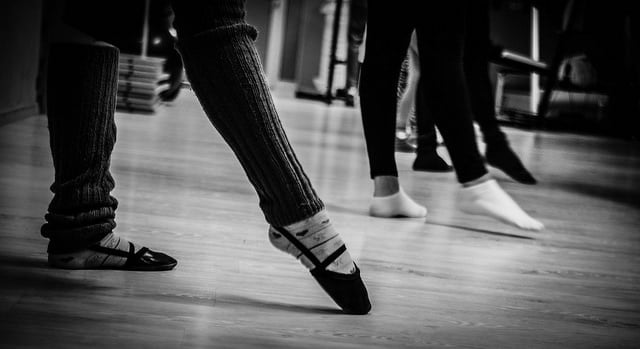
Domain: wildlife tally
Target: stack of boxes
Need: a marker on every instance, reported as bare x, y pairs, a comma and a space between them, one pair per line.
140, 82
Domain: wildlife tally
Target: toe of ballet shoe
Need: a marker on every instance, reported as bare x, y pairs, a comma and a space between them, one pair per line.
521, 175
527, 178
509, 163
151, 261
347, 290
430, 162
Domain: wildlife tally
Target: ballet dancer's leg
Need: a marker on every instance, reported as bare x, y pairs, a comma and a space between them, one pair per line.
222, 64
82, 83
476, 64
388, 36
441, 34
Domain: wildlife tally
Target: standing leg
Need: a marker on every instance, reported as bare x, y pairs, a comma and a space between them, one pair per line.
476, 65
427, 158
441, 34
217, 47
388, 36
82, 86
441, 39
411, 107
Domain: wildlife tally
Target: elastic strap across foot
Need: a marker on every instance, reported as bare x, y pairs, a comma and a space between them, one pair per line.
307, 252
131, 255
332, 257
113, 251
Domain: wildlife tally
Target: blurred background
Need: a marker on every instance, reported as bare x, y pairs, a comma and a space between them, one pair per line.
584, 52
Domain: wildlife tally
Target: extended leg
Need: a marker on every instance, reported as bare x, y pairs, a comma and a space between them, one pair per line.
223, 67
441, 42
476, 60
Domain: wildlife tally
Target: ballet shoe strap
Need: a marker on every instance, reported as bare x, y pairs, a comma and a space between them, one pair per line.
307, 252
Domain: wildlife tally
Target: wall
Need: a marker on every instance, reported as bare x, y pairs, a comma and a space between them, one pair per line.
20, 23
258, 15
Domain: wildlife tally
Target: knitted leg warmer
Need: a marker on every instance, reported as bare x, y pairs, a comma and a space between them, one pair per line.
82, 87
225, 72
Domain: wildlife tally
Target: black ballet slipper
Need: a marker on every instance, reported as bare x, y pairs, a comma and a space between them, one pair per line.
347, 290
503, 158
143, 260
430, 162
404, 146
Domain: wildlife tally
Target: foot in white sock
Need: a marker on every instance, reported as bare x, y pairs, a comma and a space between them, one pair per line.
113, 252
488, 199
396, 205
318, 235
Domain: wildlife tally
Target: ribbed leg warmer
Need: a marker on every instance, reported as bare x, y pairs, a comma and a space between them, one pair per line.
82, 87
225, 72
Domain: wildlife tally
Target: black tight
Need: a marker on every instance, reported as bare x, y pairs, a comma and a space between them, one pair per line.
476, 68
441, 35
477, 46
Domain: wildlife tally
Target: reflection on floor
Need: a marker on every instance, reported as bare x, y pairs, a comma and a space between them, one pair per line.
451, 280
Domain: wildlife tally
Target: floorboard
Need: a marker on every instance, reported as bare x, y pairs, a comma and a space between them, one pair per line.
452, 280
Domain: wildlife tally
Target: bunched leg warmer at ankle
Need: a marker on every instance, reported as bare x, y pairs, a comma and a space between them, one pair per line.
82, 86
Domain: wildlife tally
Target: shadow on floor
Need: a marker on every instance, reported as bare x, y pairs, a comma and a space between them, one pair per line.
24, 272
621, 195
349, 210
235, 300
481, 231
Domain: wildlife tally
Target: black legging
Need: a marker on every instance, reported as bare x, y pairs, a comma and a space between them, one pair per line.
476, 68
477, 47
441, 34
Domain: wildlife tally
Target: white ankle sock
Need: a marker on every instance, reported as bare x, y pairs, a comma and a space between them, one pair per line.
89, 259
488, 199
396, 205
318, 235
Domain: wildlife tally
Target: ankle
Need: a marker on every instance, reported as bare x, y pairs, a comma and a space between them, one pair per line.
396, 205
385, 186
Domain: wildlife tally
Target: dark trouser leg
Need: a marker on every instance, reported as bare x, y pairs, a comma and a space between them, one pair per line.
357, 24
427, 138
476, 60
427, 158
388, 35
441, 41
222, 64
476, 65
82, 86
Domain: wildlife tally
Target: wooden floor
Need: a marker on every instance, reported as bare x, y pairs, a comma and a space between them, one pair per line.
452, 280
